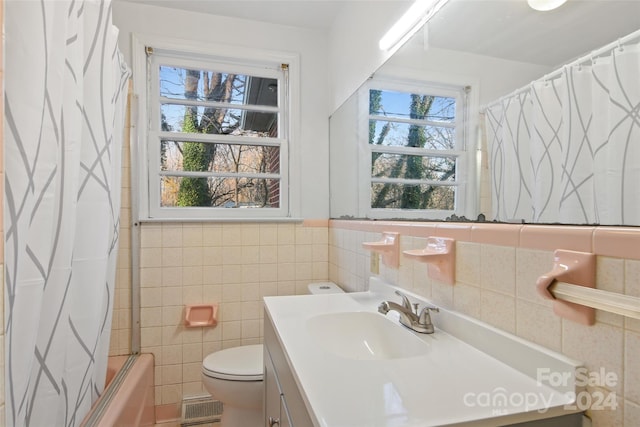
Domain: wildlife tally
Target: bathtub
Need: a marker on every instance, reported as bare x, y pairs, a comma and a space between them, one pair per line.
130, 399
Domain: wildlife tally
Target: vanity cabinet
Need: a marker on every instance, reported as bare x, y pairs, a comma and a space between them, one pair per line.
316, 373
283, 403
275, 406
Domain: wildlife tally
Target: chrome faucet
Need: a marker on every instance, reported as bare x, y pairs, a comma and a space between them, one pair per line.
409, 315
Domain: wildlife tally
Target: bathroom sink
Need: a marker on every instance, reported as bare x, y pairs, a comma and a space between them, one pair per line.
364, 335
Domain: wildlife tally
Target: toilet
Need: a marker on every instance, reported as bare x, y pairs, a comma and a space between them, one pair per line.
234, 376
319, 288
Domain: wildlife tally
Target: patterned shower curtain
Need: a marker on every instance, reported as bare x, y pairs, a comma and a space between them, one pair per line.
65, 94
568, 149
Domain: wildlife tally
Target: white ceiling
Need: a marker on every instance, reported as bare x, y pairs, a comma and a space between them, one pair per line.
506, 29
509, 29
312, 14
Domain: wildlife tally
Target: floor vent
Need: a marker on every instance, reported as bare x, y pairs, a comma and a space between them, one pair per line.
200, 411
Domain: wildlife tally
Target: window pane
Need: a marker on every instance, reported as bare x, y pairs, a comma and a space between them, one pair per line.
387, 165
404, 196
219, 192
228, 121
386, 133
205, 157
212, 85
412, 106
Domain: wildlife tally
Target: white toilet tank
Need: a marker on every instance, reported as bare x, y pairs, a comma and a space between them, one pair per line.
324, 288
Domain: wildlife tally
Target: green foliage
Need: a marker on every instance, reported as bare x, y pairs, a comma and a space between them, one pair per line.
412, 197
406, 196
194, 155
375, 105
193, 191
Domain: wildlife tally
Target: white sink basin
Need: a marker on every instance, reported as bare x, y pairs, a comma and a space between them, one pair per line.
364, 335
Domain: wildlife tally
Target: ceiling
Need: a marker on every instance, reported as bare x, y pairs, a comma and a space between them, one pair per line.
311, 14
509, 29
506, 29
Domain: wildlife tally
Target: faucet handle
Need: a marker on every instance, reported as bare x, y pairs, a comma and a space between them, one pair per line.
405, 301
425, 316
383, 307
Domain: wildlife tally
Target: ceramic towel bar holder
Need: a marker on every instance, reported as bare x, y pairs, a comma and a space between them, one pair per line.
440, 255
576, 268
388, 248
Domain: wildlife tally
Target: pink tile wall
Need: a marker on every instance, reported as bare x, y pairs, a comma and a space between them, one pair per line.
496, 269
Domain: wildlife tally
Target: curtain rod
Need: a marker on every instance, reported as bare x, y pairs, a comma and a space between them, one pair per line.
555, 74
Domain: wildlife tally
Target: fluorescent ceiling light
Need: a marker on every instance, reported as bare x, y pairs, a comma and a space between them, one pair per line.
414, 18
545, 5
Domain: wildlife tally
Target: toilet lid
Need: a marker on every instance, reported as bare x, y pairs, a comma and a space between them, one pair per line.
242, 363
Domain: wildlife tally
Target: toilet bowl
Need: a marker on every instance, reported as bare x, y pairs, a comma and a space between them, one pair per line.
234, 377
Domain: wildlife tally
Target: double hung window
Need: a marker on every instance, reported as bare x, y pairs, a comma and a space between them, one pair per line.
416, 150
217, 143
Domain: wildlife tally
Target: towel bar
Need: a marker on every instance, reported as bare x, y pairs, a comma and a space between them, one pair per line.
624, 305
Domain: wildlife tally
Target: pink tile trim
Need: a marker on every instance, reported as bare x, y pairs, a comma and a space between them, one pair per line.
617, 242
315, 223
454, 231
408, 228
622, 242
352, 225
550, 238
421, 229
496, 234
167, 412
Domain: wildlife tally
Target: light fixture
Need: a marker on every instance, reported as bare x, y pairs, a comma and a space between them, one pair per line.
414, 18
545, 5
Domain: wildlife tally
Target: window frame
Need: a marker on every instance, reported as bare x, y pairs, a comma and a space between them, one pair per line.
462, 152
147, 153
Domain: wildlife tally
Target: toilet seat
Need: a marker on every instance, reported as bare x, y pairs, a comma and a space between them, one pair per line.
242, 363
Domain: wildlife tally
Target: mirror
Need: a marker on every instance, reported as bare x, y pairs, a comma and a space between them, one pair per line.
495, 47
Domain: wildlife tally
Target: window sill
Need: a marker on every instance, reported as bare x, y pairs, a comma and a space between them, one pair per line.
222, 220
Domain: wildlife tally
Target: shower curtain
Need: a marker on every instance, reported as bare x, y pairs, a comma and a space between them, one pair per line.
65, 90
567, 149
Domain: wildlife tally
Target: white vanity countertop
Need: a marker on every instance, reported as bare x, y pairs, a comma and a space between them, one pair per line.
453, 383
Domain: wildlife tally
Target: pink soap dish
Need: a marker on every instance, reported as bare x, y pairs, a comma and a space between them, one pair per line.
201, 315
388, 247
440, 255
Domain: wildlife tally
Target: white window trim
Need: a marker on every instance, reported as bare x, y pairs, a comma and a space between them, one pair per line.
290, 200
406, 81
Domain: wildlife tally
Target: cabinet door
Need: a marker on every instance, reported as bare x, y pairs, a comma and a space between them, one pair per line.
285, 419
295, 412
272, 395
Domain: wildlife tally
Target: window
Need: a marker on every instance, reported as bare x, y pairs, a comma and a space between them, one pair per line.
217, 136
415, 150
